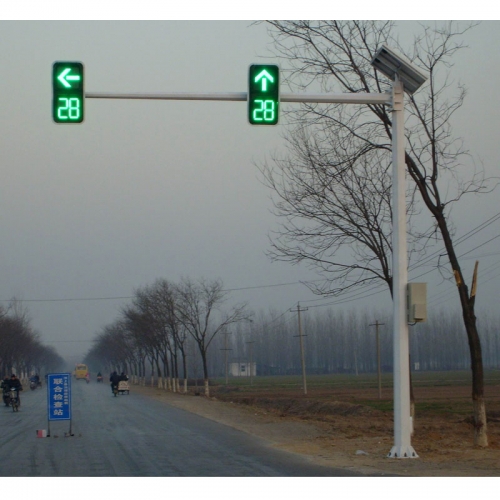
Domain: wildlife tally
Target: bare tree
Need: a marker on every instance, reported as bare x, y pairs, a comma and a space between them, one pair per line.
328, 205
164, 299
154, 311
20, 345
336, 55
197, 303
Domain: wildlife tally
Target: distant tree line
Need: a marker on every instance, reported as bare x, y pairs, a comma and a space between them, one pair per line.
21, 350
345, 342
171, 333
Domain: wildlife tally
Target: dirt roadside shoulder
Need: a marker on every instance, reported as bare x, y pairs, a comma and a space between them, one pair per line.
323, 446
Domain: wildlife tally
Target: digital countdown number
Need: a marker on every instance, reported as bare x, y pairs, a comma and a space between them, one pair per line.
68, 92
263, 94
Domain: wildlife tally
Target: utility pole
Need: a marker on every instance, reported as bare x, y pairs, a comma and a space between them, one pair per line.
377, 324
251, 346
226, 333
298, 311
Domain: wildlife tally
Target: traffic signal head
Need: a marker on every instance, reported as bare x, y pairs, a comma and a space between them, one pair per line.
263, 94
67, 92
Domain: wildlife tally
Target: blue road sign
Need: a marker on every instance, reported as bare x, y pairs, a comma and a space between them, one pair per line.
59, 396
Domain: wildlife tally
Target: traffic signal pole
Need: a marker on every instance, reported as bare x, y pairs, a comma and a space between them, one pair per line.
243, 96
402, 427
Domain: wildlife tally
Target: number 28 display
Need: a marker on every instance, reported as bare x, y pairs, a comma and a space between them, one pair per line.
67, 92
263, 94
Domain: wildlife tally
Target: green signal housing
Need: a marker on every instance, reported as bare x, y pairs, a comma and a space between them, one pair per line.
263, 94
68, 96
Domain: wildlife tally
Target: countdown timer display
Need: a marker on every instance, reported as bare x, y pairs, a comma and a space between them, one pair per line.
68, 92
263, 94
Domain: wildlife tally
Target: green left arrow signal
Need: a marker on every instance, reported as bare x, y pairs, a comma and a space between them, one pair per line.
64, 78
68, 93
264, 76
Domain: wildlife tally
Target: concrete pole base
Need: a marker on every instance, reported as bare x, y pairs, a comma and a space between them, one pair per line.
402, 452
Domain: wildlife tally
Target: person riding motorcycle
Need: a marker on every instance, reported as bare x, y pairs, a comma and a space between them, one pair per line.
99, 377
15, 383
5, 391
114, 379
35, 379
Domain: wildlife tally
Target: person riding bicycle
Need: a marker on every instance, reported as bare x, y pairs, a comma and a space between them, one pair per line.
114, 379
15, 383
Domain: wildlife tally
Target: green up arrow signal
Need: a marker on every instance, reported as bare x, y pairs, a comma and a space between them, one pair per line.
264, 76
64, 77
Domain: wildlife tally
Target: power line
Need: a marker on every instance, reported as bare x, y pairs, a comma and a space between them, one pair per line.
76, 299
67, 300
481, 245
349, 298
57, 341
268, 286
460, 240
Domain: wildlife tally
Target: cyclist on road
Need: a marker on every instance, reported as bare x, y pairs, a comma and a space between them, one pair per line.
15, 383
114, 379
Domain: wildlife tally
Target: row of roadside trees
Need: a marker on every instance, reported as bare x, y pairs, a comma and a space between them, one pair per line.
21, 350
154, 330
178, 331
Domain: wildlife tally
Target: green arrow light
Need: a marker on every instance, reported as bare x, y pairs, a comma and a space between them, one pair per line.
264, 76
263, 94
64, 77
68, 93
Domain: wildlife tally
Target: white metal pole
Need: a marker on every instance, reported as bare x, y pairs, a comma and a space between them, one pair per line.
355, 98
379, 373
402, 428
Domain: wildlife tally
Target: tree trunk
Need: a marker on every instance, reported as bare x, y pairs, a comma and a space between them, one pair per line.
480, 429
205, 372
159, 374
479, 407
469, 317
467, 302
173, 362
184, 368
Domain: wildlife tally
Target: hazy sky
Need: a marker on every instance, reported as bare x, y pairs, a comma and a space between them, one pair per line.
150, 189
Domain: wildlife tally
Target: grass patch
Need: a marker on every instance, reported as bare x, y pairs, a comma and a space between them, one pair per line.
381, 405
443, 408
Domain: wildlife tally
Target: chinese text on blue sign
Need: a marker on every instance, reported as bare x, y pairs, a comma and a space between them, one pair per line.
59, 396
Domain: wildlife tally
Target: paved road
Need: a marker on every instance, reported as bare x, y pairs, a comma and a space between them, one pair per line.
133, 435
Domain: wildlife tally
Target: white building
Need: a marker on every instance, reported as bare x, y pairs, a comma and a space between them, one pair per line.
242, 369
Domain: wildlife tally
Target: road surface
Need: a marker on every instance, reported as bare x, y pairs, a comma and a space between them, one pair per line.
133, 435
